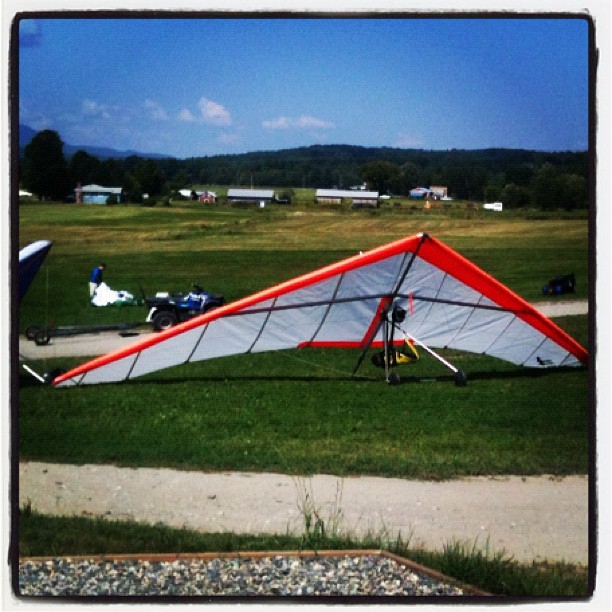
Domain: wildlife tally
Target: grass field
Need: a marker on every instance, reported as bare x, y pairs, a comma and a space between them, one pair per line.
492, 572
239, 251
297, 411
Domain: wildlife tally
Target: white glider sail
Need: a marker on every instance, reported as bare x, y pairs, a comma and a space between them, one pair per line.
449, 303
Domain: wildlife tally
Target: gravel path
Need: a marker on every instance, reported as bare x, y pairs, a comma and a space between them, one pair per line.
275, 575
531, 518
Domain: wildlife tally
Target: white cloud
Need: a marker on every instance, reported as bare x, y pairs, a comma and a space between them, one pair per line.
157, 111
301, 122
187, 116
282, 123
211, 113
306, 121
214, 113
91, 108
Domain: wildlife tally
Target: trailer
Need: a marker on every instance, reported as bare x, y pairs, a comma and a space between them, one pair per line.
42, 335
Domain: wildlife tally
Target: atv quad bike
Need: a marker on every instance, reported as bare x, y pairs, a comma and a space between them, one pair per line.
168, 309
560, 285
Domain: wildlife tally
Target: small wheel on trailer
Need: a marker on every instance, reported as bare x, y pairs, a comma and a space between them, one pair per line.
31, 331
42, 337
164, 320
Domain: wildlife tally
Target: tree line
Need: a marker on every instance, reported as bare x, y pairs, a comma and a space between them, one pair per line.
515, 177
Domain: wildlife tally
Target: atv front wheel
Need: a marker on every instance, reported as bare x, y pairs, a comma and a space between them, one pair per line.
164, 320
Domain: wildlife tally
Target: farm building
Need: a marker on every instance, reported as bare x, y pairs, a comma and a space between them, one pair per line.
438, 193
253, 196
200, 196
420, 193
208, 197
355, 197
496, 206
96, 194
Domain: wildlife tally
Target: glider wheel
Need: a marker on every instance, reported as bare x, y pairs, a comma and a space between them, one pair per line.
393, 379
42, 337
31, 331
164, 320
460, 378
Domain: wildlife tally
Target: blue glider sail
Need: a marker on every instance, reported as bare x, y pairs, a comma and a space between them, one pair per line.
31, 258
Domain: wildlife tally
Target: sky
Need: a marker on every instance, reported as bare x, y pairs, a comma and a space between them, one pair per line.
191, 87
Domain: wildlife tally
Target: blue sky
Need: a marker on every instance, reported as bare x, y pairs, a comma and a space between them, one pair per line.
194, 87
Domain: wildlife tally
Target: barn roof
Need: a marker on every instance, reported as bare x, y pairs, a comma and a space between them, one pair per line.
341, 193
251, 194
100, 189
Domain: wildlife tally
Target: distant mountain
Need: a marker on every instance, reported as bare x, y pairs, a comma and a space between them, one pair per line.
26, 134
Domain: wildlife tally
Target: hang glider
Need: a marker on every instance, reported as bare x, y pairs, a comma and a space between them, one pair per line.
31, 258
446, 301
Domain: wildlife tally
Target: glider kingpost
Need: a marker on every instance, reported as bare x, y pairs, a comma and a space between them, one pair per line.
416, 287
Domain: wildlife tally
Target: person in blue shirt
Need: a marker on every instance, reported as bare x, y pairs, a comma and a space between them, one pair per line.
96, 278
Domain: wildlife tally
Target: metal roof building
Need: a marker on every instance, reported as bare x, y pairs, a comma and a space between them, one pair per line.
336, 196
250, 195
96, 194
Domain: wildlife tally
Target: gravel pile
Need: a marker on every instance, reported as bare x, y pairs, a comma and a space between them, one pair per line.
369, 575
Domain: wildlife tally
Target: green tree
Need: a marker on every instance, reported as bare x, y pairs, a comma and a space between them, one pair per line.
519, 175
82, 168
179, 180
132, 189
492, 193
109, 173
514, 196
150, 177
45, 171
409, 177
380, 175
575, 192
547, 187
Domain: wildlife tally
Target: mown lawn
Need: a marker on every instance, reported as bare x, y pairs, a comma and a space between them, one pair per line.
297, 411
300, 412
239, 251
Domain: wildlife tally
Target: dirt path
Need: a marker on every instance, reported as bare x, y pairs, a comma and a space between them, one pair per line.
533, 518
